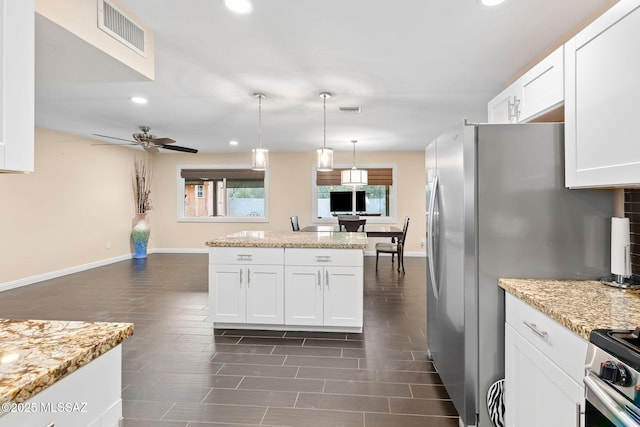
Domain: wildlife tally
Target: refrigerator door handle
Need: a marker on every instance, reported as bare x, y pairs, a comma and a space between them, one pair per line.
431, 239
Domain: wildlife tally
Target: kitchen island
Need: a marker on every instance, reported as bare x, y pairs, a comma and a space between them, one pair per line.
287, 281
62, 373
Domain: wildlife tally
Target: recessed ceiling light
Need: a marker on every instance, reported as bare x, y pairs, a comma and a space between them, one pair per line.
490, 2
234, 142
242, 7
139, 100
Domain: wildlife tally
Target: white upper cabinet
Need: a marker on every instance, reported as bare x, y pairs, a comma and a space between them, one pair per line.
17, 85
602, 69
538, 91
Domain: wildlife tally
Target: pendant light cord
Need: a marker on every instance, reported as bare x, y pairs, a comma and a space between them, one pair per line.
324, 143
260, 121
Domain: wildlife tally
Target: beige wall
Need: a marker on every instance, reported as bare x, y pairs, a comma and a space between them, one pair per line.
78, 200
63, 214
290, 176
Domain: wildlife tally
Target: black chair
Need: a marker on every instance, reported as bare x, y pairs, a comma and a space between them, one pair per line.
352, 225
294, 223
394, 248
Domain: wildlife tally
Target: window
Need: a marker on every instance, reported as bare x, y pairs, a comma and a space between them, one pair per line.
379, 196
222, 194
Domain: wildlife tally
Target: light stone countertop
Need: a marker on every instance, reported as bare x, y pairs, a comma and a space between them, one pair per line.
290, 239
34, 354
580, 305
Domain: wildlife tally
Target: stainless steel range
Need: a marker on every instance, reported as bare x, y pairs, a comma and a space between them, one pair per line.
612, 381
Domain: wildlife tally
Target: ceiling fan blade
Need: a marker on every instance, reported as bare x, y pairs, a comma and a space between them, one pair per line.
163, 141
178, 148
113, 137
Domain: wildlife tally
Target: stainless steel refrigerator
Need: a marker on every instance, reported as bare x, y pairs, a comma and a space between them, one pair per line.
497, 207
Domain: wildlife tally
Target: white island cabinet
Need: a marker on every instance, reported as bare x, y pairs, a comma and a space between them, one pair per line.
324, 287
602, 142
287, 281
246, 285
544, 367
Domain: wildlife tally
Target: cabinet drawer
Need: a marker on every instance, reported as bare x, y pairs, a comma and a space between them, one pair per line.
329, 257
238, 255
558, 343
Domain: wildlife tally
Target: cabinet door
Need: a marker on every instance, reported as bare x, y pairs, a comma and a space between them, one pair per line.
602, 66
500, 108
227, 293
343, 294
537, 391
541, 89
17, 23
303, 299
265, 294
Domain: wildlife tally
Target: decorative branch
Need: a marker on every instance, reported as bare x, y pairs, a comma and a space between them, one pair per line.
141, 186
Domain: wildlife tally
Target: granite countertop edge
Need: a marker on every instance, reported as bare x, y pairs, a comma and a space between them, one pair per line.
28, 378
579, 305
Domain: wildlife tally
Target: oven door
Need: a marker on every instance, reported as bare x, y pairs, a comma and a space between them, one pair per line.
606, 407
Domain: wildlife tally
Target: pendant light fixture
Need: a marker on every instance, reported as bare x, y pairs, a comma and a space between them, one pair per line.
259, 156
354, 176
325, 155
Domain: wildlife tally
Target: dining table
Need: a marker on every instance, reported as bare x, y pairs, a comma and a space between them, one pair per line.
372, 230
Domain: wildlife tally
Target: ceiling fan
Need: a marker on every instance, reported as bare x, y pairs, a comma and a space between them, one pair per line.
150, 142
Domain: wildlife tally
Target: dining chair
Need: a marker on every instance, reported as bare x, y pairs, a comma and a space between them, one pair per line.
394, 248
352, 225
294, 223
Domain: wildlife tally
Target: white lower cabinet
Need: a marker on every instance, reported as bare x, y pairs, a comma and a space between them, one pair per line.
544, 367
323, 296
87, 397
248, 287
275, 288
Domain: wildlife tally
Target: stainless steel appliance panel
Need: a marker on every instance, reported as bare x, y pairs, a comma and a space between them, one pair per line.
506, 213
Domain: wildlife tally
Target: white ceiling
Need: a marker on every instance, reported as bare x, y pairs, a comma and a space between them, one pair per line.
415, 67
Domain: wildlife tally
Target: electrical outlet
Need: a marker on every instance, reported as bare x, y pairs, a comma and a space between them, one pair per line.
422, 243
108, 244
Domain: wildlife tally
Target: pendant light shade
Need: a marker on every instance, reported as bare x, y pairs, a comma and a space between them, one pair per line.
325, 155
354, 176
259, 156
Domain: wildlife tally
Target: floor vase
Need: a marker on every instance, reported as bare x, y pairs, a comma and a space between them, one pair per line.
140, 235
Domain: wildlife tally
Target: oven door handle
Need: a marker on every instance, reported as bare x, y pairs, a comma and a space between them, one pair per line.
613, 404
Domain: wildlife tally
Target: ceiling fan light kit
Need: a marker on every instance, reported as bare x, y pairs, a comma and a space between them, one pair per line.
354, 176
325, 155
259, 156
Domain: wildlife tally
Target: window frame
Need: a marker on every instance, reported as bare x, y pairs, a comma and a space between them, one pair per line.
218, 219
393, 195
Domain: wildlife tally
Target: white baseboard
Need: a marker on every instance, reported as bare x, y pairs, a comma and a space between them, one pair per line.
59, 273
65, 271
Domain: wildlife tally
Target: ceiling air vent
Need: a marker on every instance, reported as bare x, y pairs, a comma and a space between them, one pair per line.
356, 110
115, 23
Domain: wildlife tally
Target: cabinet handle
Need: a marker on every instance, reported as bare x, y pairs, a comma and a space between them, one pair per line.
534, 328
323, 258
509, 109
248, 277
516, 107
326, 278
240, 277
244, 257
319, 278
578, 413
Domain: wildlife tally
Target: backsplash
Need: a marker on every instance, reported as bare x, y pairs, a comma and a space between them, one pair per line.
632, 211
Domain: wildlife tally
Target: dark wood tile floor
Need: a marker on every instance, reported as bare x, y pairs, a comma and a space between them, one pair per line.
178, 372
